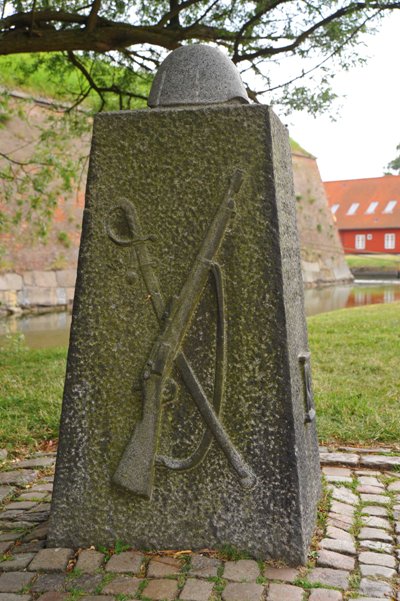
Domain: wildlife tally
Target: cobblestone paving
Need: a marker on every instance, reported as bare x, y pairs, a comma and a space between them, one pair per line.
356, 557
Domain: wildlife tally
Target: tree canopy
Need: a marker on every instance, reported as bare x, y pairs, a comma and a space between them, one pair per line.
394, 165
314, 36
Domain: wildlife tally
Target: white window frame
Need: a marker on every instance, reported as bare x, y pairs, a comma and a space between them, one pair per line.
372, 207
353, 208
390, 241
334, 208
390, 206
359, 242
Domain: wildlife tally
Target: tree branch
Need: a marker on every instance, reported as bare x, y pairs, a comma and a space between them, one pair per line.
345, 11
175, 9
92, 18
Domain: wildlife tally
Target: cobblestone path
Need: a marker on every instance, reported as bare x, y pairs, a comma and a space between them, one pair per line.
356, 556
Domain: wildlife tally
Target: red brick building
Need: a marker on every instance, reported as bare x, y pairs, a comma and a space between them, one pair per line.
367, 213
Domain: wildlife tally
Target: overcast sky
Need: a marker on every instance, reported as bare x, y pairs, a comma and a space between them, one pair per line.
364, 137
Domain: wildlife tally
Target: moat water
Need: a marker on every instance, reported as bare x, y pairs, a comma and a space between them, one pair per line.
52, 329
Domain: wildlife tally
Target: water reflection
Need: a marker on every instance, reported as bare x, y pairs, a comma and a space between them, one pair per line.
322, 300
52, 329
40, 331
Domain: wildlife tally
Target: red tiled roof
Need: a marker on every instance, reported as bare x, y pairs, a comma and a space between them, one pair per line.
382, 190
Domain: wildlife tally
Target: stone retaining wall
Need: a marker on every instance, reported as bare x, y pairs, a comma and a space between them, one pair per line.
48, 290
31, 290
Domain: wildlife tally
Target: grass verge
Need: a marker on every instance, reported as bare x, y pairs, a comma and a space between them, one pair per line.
355, 357
373, 262
31, 385
355, 354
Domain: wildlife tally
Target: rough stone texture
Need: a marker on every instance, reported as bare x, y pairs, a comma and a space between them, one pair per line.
338, 479
380, 559
18, 477
51, 560
32, 547
196, 590
22, 505
53, 596
86, 582
330, 559
42, 488
370, 481
284, 574
49, 582
369, 490
342, 508
277, 592
376, 522
66, 277
337, 533
375, 545
33, 495
4, 547
19, 562
330, 577
374, 534
375, 588
244, 570
41, 279
10, 281
35, 462
249, 591
10, 536
89, 561
128, 561
13, 582
325, 595
206, 567
379, 499
336, 521
161, 590
197, 74
344, 458
12, 597
3, 454
340, 546
122, 585
129, 161
376, 571
374, 510
344, 472
5, 491
344, 495
163, 566
394, 486
380, 461
38, 533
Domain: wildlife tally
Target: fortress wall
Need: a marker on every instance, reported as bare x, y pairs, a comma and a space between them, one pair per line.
40, 273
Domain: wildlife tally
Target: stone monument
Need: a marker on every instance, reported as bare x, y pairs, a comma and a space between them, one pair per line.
188, 417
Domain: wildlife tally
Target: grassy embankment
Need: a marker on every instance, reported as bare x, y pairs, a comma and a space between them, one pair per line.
355, 369
54, 78
374, 262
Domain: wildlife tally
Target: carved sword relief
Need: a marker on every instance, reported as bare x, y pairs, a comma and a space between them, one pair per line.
135, 471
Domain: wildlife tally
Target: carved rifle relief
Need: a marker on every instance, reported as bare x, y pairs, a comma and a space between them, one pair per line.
135, 471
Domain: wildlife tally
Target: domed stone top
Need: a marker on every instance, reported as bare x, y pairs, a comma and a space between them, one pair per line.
196, 74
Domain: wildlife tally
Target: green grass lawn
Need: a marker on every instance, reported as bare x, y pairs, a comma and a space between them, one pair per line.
355, 360
31, 385
382, 262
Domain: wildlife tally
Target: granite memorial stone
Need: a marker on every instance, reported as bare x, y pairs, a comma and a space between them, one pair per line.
188, 417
